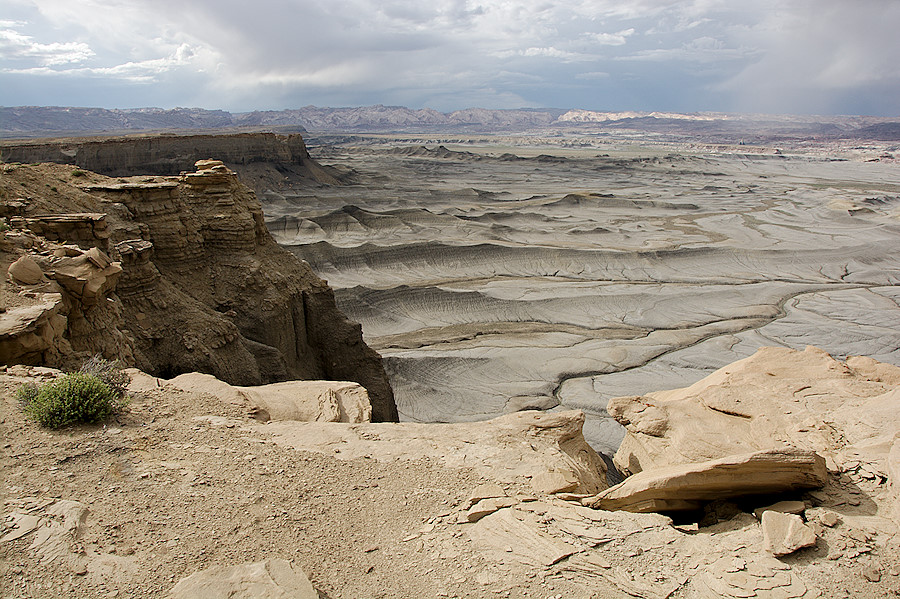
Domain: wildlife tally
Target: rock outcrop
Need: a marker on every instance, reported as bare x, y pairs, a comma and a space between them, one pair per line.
33, 333
548, 451
778, 400
170, 154
193, 283
304, 401
271, 579
685, 486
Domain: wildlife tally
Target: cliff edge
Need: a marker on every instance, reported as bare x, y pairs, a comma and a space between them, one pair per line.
172, 275
261, 158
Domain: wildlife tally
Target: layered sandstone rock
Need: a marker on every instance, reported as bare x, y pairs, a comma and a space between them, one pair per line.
778, 400
171, 154
774, 399
685, 486
33, 334
193, 282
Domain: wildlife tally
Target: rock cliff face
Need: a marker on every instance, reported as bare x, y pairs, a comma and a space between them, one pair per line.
199, 283
171, 154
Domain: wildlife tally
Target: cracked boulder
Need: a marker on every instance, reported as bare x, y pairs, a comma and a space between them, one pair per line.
774, 400
685, 486
88, 278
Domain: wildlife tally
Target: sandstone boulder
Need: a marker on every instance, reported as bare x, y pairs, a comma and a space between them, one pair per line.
271, 579
684, 486
305, 401
88, 278
777, 398
785, 533
28, 333
310, 401
26, 271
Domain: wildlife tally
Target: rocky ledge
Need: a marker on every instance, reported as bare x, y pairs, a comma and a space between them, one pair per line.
169, 274
259, 156
192, 494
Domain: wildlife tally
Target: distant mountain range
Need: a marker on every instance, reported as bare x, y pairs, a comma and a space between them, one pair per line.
40, 121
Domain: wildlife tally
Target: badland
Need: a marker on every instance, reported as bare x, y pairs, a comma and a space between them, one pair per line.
592, 363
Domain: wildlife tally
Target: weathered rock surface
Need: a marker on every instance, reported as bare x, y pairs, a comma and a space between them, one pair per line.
198, 283
785, 533
271, 579
305, 401
88, 278
25, 271
188, 481
516, 447
684, 486
171, 154
33, 334
776, 398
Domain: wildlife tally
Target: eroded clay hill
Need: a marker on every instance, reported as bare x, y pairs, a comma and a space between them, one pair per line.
170, 274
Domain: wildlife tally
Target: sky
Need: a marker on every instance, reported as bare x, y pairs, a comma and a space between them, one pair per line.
757, 56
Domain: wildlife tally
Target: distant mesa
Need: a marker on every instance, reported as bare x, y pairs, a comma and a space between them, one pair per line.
711, 127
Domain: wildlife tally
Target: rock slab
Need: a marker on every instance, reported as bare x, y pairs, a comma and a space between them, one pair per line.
784, 534
683, 486
304, 401
271, 579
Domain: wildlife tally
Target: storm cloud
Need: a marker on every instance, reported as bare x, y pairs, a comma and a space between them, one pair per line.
768, 56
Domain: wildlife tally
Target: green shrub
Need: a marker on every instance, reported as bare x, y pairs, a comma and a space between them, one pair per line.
75, 397
110, 372
78, 173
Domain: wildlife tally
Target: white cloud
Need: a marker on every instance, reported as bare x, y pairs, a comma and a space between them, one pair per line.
593, 75
612, 39
17, 46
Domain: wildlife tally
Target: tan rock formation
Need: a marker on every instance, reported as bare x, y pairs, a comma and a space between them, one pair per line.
684, 486
271, 579
88, 278
203, 287
776, 398
33, 334
304, 401
516, 447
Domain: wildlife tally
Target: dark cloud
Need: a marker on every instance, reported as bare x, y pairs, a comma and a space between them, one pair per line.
775, 56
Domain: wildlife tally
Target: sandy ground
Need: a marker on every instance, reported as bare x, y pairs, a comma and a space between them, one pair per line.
169, 494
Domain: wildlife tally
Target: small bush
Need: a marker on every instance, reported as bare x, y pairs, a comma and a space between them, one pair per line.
78, 173
110, 372
75, 397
